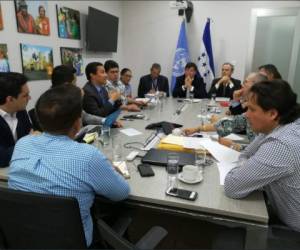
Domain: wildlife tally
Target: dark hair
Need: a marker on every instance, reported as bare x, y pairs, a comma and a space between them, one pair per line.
11, 84
62, 74
230, 64
156, 66
40, 7
271, 69
277, 94
124, 71
91, 68
110, 64
190, 65
58, 108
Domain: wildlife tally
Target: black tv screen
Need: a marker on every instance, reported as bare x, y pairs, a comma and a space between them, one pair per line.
102, 31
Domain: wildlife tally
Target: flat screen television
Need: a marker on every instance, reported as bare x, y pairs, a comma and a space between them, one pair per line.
102, 31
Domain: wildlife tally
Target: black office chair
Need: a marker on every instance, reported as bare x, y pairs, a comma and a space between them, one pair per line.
38, 221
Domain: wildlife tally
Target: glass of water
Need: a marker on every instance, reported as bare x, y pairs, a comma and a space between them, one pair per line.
172, 170
105, 134
200, 158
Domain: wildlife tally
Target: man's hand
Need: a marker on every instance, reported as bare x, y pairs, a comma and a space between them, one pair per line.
189, 131
35, 132
114, 95
214, 118
118, 124
226, 142
237, 94
188, 82
133, 107
224, 80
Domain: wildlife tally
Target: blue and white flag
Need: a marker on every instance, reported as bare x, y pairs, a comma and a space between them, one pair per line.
182, 55
205, 59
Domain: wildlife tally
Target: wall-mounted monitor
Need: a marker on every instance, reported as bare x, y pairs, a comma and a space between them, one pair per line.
102, 31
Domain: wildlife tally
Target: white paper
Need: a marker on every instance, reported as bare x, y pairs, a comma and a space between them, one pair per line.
219, 152
233, 137
194, 100
224, 168
145, 100
222, 99
193, 142
130, 132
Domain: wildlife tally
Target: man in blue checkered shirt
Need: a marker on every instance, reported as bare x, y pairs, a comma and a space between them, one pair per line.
272, 161
53, 163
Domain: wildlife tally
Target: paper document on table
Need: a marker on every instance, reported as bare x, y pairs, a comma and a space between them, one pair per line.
172, 139
222, 99
224, 168
192, 100
145, 100
220, 152
130, 132
193, 142
233, 137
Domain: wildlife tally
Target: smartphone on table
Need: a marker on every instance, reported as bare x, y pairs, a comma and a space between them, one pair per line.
182, 193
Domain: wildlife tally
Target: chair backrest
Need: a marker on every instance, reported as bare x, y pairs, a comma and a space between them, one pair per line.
31, 220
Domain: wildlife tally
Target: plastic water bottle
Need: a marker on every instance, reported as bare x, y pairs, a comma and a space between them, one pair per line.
172, 169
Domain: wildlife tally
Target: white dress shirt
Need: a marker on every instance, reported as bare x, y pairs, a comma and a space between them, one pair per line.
12, 122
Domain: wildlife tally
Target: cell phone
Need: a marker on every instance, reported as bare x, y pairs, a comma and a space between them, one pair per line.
145, 170
182, 193
179, 100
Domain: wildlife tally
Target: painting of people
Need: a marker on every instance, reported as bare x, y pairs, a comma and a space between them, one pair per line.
4, 65
32, 17
68, 23
72, 57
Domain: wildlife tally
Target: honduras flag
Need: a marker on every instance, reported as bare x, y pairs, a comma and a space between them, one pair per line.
182, 55
205, 59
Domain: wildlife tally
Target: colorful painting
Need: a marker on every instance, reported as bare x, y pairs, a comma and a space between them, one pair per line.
1, 19
68, 23
72, 57
37, 61
32, 17
4, 65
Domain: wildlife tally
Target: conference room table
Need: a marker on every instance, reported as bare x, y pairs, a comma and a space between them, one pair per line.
211, 204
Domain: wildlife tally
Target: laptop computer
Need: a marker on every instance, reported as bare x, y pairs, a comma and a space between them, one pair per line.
159, 157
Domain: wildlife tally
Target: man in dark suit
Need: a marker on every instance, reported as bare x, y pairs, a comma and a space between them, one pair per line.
189, 82
97, 100
225, 85
14, 120
153, 82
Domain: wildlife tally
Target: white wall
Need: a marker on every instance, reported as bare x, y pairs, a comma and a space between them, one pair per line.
151, 31
12, 38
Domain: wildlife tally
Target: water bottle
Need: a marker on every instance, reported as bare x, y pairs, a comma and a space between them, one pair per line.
172, 170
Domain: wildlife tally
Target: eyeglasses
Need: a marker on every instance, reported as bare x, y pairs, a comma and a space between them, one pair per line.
128, 75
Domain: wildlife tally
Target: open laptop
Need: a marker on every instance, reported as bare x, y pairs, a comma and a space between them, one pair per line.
159, 157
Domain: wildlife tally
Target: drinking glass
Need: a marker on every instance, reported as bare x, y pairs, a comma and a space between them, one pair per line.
172, 170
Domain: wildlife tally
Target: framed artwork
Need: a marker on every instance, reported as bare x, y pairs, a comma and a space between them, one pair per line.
4, 64
37, 61
32, 17
72, 57
1, 19
68, 21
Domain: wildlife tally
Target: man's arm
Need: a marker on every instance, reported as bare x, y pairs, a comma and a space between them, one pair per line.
141, 88
105, 180
178, 91
91, 106
5, 155
272, 161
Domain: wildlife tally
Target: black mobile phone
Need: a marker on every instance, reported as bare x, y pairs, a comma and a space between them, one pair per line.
182, 193
145, 170
179, 100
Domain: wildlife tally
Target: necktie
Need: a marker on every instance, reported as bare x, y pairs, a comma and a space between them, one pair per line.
102, 94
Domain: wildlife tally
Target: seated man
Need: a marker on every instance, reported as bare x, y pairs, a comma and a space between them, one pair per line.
96, 99
14, 120
154, 82
272, 161
53, 163
225, 85
189, 82
113, 84
238, 104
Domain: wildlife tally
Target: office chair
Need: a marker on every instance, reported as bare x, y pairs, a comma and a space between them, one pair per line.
40, 221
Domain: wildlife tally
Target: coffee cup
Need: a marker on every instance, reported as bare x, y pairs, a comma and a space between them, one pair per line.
177, 131
190, 173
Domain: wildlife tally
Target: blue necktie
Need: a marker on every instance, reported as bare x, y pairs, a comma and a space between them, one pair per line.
102, 94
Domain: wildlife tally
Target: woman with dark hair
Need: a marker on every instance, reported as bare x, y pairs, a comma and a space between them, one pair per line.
270, 71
